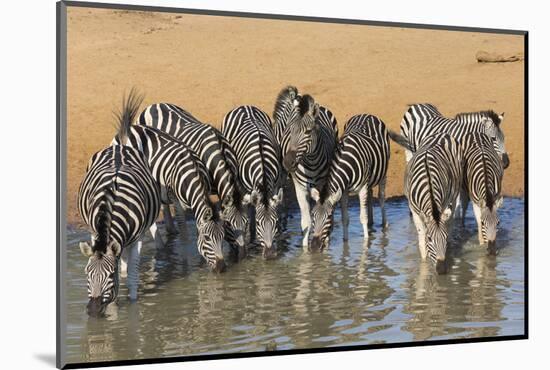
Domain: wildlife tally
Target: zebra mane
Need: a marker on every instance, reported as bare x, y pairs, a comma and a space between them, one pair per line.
103, 223
285, 100
484, 113
305, 103
126, 116
435, 211
489, 199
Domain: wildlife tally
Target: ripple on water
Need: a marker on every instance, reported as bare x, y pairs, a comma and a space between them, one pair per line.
353, 293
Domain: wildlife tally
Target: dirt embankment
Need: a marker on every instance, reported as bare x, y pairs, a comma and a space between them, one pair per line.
209, 65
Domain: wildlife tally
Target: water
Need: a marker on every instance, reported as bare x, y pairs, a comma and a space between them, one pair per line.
350, 294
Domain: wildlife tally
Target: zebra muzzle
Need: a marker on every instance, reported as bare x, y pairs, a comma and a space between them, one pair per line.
219, 266
492, 248
96, 307
289, 161
441, 267
505, 161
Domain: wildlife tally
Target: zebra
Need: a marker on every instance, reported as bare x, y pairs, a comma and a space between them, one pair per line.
423, 120
360, 163
307, 133
483, 185
216, 153
251, 135
433, 180
118, 200
181, 174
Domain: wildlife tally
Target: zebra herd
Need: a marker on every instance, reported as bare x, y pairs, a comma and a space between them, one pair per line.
233, 180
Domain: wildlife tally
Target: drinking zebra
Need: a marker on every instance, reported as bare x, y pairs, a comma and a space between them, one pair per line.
118, 200
482, 184
423, 120
180, 173
307, 135
432, 183
251, 135
360, 163
215, 152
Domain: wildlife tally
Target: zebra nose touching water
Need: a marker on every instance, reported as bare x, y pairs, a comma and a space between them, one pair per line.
251, 136
118, 200
360, 163
216, 154
307, 133
482, 184
432, 183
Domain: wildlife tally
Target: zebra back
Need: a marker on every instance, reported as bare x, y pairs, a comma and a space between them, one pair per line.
483, 170
119, 178
203, 139
414, 120
250, 133
377, 149
433, 176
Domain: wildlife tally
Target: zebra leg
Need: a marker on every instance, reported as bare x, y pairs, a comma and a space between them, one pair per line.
382, 201
458, 207
465, 200
168, 219
133, 270
420, 228
370, 206
345, 215
124, 262
477, 214
156, 235
303, 202
365, 197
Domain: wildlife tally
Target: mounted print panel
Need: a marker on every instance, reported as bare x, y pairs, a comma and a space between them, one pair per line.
247, 184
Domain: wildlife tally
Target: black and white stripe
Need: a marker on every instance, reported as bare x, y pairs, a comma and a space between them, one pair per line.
482, 184
308, 134
251, 135
215, 152
423, 120
119, 200
181, 173
432, 183
360, 163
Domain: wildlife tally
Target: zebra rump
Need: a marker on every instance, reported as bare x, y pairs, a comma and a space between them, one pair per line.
482, 183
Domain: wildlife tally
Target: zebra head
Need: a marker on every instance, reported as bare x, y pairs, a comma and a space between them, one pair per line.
209, 240
298, 135
492, 125
102, 275
235, 222
436, 238
322, 219
267, 219
489, 224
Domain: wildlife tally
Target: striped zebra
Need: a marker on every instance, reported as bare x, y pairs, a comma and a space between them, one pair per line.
180, 174
483, 185
360, 163
423, 120
119, 200
216, 153
307, 136
251, 135
432, 183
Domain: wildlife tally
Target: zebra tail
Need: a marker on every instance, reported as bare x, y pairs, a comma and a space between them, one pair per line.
126, 116
400, 139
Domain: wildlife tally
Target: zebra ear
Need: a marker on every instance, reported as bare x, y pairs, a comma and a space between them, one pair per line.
446, 214
114, 248
207, 215
246, 199
315, 195
499, 202
295, 102
315, 112
501, 117
86, 249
